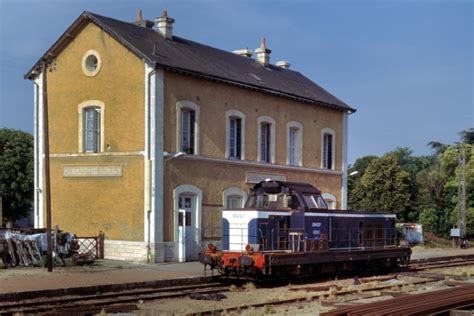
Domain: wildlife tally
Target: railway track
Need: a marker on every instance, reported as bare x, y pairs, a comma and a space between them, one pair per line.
441, 262
388, 289
127, 300
431, 303
111, 302
307, 298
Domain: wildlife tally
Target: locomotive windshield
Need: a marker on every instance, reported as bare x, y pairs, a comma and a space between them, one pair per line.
314, 201
285, 195
260, 199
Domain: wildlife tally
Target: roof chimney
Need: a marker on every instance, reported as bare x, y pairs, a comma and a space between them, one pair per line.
141, 22
283, 64
243, 52
164, 25
262, 54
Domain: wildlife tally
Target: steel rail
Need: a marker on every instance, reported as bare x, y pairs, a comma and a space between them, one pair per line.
415, 304
108, 299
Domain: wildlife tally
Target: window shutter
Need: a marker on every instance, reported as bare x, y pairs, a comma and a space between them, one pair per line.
96, 129
329, 151
265, 142
92, 129
232, 131
238, 138
292, 146
192, 121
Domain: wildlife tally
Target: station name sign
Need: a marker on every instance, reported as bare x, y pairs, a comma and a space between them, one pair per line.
92, 171
252, 177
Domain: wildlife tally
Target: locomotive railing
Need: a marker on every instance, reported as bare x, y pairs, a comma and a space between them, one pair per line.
362, 239
295, 241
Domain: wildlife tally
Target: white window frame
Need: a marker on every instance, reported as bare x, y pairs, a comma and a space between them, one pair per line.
187, 105
229, 115
329, 131
81, 109
233, 192
298, 146
271, 121
329, 196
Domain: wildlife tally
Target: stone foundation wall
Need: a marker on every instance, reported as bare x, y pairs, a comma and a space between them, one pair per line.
125, 250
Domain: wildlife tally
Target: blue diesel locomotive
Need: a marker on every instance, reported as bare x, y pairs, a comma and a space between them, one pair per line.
286, 229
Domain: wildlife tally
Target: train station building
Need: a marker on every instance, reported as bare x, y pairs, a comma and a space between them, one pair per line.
152, 135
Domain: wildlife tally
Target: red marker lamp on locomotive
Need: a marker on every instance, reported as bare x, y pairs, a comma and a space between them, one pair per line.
287, 229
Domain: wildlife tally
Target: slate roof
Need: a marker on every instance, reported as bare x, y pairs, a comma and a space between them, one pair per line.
197, 59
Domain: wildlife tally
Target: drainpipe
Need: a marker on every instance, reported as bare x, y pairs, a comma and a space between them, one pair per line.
148, 166
36, 177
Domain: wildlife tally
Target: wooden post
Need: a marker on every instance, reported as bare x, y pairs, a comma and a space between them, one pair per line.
101, 245
1, 211
55, 238
47, 178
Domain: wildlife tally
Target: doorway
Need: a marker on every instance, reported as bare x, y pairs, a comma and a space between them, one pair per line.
187, 222
186, 231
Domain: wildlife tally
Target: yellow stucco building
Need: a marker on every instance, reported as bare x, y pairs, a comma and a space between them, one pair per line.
151, 133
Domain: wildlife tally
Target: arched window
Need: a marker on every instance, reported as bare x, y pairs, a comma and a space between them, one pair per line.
234, 198
328, 148
235, 140
91, 126
330, 200
266, 139
294, 144
188, 127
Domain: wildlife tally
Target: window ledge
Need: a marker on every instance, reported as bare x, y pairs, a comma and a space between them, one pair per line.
261, 164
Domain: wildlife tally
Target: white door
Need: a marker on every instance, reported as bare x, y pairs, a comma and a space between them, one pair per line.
186, 228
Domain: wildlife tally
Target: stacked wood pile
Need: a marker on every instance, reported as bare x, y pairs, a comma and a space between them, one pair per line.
19, 253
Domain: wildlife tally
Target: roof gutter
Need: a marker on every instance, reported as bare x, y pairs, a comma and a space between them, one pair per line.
254, 87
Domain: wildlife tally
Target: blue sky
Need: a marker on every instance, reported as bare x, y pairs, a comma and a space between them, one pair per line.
407, 66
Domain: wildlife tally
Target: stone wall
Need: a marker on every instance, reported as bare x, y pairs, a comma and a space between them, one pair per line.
125, 250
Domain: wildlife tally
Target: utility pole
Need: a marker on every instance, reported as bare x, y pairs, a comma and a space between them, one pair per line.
47, 178
462, 196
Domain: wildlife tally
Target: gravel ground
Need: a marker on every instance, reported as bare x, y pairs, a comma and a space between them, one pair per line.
251, 295
421, 251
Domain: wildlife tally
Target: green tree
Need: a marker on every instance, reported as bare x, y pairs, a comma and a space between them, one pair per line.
429, 220
434, 196
467, 136
353, 181
385, 187
16, 173
413, 165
